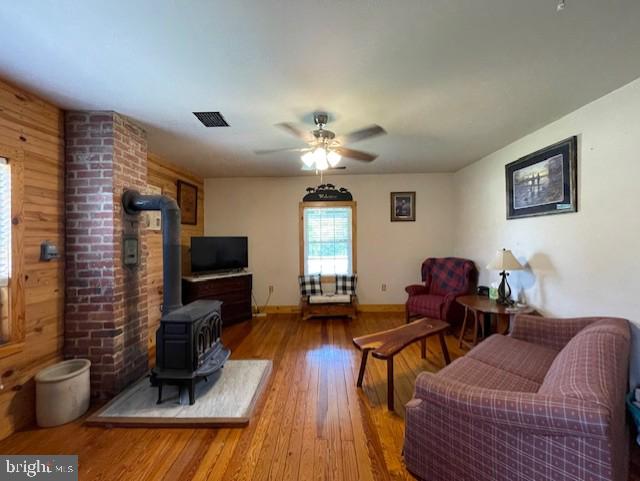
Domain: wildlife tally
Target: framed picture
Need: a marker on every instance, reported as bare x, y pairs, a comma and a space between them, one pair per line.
153, 218
188, 202
544, 182
403, 206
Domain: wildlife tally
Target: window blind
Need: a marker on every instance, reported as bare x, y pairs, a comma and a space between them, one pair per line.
327, 240
5, 222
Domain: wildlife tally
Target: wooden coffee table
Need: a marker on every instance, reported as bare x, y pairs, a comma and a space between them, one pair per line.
386, 344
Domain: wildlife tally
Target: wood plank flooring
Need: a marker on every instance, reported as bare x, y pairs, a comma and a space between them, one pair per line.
311, 424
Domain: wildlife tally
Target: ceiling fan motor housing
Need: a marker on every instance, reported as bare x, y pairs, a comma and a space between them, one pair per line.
322, 134
321, 118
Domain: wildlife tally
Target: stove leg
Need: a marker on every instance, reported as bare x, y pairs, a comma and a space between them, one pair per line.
192, 392
159, 392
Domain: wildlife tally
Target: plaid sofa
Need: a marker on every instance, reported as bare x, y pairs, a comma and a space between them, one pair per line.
545, 403
444, 279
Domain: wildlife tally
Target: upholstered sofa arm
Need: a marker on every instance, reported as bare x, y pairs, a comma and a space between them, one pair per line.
416, 290
532, 412
549, 332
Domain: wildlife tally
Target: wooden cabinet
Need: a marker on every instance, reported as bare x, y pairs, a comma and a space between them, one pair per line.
234, 290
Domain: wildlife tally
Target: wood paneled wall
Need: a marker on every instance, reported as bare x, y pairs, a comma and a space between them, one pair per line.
163, 174
35, 128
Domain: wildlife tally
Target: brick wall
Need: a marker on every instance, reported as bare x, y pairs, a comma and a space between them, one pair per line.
106, 302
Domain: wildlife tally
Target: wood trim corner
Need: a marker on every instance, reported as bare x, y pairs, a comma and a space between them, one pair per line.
17, 321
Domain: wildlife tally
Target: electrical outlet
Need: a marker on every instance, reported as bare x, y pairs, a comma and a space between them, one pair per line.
270, 289
384, 288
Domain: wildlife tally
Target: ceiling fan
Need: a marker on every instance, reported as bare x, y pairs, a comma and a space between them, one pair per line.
324, 150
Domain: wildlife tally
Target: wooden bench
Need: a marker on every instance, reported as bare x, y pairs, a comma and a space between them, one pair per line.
341, 309
386, 344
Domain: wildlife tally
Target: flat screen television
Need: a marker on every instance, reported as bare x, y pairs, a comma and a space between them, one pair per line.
211, 254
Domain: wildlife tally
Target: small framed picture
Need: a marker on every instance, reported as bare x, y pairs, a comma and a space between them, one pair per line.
403, 206
188, 202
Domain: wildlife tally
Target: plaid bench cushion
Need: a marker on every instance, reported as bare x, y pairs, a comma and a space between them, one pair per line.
346, 284
310, 285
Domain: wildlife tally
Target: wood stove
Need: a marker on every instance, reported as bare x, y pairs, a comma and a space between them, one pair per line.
188, 345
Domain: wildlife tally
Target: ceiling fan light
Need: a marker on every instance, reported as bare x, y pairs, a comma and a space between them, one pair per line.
308, 159
333, 158
321, 161
319, 153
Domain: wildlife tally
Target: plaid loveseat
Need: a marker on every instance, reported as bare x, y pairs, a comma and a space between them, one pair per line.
445, 278
545, 403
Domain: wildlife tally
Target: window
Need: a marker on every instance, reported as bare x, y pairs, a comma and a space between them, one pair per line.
5, 247
12, 282
327, 238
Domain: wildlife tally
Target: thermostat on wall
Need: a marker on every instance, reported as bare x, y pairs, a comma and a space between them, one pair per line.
48, 251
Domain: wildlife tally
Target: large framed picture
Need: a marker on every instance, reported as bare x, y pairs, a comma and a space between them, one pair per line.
403, 206
544, 182
188, 202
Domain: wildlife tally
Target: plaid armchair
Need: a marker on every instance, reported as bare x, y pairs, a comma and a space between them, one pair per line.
444, 279
545, 403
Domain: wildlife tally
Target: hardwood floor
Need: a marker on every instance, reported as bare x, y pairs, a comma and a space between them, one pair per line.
311, 424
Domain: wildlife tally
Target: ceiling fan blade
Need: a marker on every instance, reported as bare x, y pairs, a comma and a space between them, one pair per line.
311, 169
296, 131
358, 135
285, 149
356, 154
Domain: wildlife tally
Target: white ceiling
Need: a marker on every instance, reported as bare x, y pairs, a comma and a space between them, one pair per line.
450, 80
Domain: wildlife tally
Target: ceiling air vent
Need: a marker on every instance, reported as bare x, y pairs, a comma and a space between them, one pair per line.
211, 119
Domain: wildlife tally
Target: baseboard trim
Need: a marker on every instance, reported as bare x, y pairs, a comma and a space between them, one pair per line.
361, 308
281, 309
381, 308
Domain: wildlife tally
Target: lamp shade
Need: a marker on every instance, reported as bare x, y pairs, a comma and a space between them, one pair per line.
505, 261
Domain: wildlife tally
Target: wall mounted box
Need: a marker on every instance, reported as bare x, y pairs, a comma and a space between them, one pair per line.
130, 255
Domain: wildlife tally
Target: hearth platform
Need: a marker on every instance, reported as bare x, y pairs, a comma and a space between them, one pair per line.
227, 400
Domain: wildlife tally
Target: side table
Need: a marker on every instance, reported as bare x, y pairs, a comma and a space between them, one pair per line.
481, 307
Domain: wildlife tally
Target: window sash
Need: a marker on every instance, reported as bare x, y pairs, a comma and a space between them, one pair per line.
328, 242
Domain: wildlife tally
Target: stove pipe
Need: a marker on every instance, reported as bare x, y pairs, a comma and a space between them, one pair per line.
134, 203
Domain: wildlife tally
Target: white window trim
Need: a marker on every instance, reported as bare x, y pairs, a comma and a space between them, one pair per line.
354, 230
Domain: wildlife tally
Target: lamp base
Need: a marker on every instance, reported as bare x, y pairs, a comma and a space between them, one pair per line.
504, 291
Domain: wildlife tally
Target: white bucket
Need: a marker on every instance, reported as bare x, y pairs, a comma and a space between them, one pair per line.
63, 392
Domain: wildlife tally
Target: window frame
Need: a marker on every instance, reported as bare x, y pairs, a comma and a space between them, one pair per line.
354, 231
16, 326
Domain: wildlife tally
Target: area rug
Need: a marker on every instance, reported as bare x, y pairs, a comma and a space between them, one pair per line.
227, 399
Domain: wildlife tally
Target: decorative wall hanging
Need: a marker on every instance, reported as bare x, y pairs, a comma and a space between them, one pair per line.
188, 202
153, 218
403, 206
327, 192
544, 182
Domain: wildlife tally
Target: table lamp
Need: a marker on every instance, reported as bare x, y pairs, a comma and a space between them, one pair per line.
504, 261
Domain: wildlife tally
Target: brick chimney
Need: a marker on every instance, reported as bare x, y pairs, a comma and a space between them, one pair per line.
106, 302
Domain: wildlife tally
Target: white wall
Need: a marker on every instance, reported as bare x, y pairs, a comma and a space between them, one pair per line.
587, 263
266, 210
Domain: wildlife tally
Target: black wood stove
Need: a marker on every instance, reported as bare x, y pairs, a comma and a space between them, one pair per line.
188, 345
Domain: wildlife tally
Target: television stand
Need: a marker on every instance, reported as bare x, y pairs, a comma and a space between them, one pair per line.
216, 275
232, 288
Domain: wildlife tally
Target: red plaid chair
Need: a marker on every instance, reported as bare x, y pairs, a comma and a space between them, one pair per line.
444, 279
